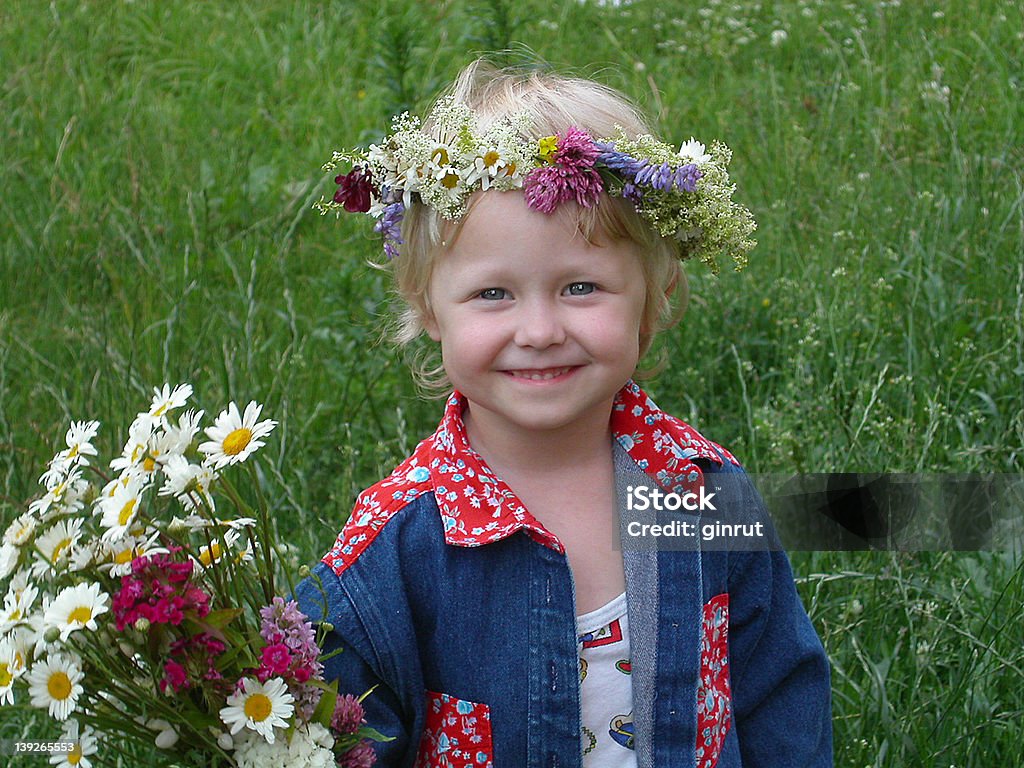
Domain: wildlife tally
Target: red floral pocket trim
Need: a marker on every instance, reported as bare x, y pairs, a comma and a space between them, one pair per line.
714, 700
457, 734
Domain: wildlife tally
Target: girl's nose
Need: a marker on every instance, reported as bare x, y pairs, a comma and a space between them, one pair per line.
539, 327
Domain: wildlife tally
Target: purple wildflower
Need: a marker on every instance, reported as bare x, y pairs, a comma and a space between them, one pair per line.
632, 192
620, 163
687, 176
389, 226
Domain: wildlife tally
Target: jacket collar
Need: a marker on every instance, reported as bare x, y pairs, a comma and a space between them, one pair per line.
477, 507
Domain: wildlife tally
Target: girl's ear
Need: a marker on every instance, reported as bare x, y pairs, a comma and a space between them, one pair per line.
430, 325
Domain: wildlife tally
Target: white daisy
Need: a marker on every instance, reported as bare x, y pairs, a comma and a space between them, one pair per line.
485, 168
134, 452
239, 523
166, 399
120, 509
9, 555
55, 683
175, 440
23, 639
54, 495
190, 483
55, 545
259, 706
12, 666
20, 531
17, 604
118, 555
76, 608
79, 441
208, 555
693, 151
234, 437
85, 745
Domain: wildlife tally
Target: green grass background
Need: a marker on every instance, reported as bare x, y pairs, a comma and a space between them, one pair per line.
157, 166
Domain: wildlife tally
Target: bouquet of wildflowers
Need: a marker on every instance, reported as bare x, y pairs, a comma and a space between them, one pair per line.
143, 607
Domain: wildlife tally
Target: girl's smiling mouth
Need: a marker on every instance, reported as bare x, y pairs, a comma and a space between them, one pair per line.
541, 374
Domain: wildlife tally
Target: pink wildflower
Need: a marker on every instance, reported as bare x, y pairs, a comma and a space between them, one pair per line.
174, 678
276, 659
571, 176
157, 590
360, 756
348, 715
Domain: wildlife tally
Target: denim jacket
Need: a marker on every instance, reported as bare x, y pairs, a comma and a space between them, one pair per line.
458, 606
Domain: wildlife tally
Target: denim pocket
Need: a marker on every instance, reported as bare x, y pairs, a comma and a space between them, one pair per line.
714, 699
457, 734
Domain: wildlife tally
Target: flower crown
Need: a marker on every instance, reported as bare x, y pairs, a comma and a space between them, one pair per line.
684, 194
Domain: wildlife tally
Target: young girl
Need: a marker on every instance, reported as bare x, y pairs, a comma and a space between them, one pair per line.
483, 591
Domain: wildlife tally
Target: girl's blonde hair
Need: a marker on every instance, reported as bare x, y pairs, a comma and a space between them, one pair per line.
553, 103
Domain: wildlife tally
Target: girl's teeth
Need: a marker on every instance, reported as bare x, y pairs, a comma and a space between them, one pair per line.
537, 376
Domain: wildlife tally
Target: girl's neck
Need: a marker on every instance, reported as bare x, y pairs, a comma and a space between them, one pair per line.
539, 452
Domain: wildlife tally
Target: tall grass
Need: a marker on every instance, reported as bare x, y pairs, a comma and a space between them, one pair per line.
158, 164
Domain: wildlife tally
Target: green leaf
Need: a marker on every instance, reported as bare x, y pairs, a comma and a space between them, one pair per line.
325, 708
367, 732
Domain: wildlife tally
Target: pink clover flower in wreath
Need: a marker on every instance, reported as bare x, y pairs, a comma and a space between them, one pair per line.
570, 176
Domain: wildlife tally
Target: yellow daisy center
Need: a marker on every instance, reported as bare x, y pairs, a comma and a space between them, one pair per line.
235, 443
210, 554
6, 676
14, 615
440, 156
82, 613
149, 464
450, 180
74, 757
59, 549
491, 158
124, 556
59, 686
126, 512
72, 451
258, 707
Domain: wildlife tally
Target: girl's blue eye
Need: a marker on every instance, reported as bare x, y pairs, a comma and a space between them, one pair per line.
493, 294
580, 289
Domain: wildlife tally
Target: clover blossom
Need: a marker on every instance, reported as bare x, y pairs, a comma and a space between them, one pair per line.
571, 175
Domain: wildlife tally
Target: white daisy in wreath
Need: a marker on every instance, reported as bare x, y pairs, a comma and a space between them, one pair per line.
55, 683
234, 437
76, 608
258, 706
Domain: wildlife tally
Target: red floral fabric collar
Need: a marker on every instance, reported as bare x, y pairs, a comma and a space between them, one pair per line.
478, 508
